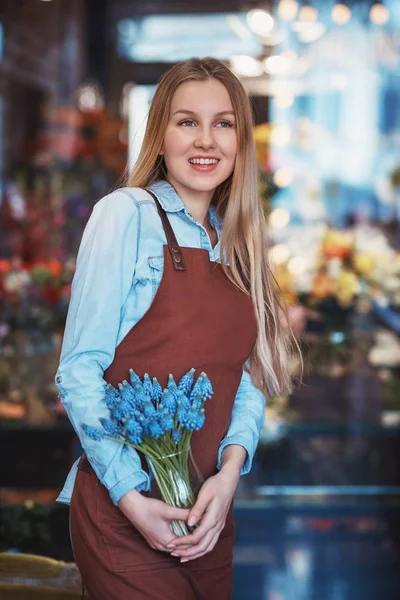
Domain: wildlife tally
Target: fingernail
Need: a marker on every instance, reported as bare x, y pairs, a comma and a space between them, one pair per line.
175, 554
171, 546
184, 560
192, 522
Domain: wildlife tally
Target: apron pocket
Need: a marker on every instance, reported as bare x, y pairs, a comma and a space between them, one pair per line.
127, 548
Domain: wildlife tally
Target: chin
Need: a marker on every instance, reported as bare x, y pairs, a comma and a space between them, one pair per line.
204, 184
202, 187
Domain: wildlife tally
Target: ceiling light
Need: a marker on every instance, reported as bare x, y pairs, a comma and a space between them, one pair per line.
287, 9
276, 65
247, 66
89, 97
282, 178
308, 14
379, 14
341, 14
260, 21
312, 33
284, 100
279, 217
297, 265
280, 253
280, 135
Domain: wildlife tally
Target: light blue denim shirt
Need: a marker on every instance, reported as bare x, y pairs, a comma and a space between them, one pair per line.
119, 267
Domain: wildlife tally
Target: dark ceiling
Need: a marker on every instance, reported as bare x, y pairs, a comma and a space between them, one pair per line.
131, 8
102, 17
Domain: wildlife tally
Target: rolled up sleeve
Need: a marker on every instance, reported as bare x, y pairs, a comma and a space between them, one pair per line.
246, 422
104, 274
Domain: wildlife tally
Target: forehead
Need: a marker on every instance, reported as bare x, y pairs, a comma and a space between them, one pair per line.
203, 97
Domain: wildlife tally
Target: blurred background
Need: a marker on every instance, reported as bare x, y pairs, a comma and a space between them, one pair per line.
318, 517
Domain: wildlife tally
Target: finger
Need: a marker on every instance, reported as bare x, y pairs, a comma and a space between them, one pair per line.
171, 542
197, 548
197, 511
209, 547
176, 514
191, 548
208, 523
165, 536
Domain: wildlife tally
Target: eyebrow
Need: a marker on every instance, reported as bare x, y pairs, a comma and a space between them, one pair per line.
190, 112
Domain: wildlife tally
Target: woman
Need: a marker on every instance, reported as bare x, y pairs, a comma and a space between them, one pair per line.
150, 294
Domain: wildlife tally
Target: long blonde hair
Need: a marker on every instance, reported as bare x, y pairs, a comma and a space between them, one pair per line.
244, 241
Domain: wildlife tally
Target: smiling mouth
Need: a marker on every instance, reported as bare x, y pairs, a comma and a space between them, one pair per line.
204, 161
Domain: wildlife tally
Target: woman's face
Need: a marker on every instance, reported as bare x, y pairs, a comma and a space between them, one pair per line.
200, 142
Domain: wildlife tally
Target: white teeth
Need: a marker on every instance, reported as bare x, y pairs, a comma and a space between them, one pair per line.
204, 161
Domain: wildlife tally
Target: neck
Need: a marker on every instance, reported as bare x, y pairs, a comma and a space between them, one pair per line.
198, 203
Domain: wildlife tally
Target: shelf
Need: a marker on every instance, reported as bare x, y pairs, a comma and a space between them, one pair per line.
299, 430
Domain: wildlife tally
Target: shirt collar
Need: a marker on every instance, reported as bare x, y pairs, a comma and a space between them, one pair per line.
172, 202
167, 196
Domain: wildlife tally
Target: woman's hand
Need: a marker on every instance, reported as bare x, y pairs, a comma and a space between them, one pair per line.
152, 518
211, 509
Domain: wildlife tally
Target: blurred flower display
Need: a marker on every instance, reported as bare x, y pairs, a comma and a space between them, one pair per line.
344, 266
69, 164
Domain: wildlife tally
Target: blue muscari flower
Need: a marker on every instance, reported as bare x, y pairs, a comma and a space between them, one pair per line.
183, 407
207, 387
141, 396
148, 408
135, 379
112, 428
143, 422
176, 434
157, 390
201, 417
134, 431
202, 386
128, 393
112, 395
165, 420
194, 419
121, 411
172, 387
154, 429
93, 432
147, 385
168, 401
185, 384
197, 402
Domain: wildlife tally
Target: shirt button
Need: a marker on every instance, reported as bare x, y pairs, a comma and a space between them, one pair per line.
58, 379
203, 233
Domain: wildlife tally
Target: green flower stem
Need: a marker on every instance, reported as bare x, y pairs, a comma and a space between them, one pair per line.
171, 474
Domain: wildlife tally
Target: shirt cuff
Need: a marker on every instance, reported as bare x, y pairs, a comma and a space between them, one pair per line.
240, 441
138, 480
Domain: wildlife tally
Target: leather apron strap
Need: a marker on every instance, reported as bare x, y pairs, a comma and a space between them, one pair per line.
176, 253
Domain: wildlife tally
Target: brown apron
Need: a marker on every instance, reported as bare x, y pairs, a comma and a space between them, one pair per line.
198, 319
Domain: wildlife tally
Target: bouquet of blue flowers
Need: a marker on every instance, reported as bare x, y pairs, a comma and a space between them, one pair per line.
159, 423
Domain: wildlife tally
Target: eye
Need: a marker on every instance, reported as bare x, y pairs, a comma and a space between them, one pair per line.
225, 124
187, 121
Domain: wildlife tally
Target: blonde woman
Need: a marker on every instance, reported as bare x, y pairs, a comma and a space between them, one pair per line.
173, 273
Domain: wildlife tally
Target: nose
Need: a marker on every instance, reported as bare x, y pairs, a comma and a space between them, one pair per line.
205, 139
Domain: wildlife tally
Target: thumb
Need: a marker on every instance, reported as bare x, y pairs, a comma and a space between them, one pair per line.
178, 514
